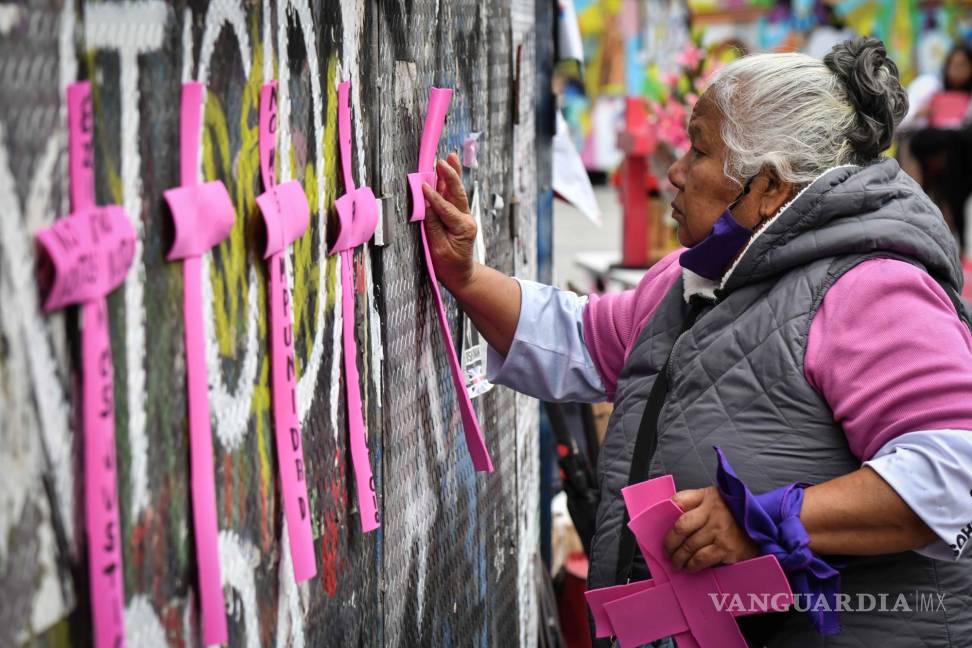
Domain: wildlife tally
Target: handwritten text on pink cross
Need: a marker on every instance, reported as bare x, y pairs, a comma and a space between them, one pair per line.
83, 258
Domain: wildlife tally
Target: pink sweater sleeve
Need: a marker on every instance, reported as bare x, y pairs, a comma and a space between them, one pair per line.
612, 322
888, 353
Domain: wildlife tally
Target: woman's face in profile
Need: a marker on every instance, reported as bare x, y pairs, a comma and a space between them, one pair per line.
704, 191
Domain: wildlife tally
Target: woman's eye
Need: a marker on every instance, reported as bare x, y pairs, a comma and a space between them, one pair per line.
696, 150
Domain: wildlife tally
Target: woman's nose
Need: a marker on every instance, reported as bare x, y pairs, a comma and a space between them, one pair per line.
676, 173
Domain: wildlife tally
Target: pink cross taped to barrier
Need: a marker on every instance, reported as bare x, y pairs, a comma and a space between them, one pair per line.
681, 604
203, 216
286, 216
357, 212
434, 121
83, 258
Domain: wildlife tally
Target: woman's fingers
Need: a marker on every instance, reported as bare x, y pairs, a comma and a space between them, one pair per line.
692, 545
455, 221
689, 499
452, 179
685, 525
454, 162
708, 556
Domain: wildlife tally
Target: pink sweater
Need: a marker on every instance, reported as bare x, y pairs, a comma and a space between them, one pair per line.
885, 350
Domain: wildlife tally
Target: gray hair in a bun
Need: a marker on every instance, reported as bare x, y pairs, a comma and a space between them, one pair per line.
871, 81
800, 116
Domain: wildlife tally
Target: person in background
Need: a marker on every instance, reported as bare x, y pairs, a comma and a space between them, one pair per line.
943, 149
804, 355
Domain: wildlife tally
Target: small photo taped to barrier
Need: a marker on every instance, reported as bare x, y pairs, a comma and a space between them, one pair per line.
473, 348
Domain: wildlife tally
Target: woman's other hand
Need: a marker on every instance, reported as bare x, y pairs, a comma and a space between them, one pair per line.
706, 534
450, 228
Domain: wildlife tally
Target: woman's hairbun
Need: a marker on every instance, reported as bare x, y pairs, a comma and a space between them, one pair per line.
873, 88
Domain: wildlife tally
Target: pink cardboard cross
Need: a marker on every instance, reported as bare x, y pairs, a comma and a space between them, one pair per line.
203, 216
435, 115
357, 212
286, 216
82, 259
690, 607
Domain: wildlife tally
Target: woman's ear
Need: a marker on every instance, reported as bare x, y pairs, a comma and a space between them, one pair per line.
773, 195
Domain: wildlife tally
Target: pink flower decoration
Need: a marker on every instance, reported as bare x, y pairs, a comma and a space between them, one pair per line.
690, 57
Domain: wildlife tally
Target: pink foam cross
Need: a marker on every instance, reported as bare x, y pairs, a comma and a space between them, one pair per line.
357, 212
690, 607
286, 216
82, 259
435, 116
203, 216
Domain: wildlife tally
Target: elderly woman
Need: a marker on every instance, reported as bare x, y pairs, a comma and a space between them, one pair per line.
809, 332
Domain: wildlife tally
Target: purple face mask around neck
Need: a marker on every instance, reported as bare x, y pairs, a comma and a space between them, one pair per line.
711, 256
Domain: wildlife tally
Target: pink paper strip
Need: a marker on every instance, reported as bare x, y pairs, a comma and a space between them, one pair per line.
597, 598
434, 120
761, 577
358, 435
435, 116
203, 224
659, 603
101, 234
357, 217
268, 135
101, 490
81, 145
205, 526
287, 215
641, 496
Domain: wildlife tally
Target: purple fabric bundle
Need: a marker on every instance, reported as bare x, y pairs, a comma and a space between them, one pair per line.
772, 520
712, 255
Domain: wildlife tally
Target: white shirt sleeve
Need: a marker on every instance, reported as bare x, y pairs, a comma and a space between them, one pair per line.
932, 472
548, 358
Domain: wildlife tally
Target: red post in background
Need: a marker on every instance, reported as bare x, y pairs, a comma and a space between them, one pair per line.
638, 142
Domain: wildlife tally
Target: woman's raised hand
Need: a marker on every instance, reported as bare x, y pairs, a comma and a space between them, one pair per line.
450, 228
490, 298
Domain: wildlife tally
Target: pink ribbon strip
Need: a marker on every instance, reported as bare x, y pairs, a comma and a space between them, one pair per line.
681, 604
83, 259
434, 120
357, 213
286, 215
203, 216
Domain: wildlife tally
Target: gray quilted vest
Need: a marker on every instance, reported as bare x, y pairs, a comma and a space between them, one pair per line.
737, 381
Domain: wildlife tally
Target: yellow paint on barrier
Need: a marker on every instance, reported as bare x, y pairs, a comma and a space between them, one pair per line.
305, 278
